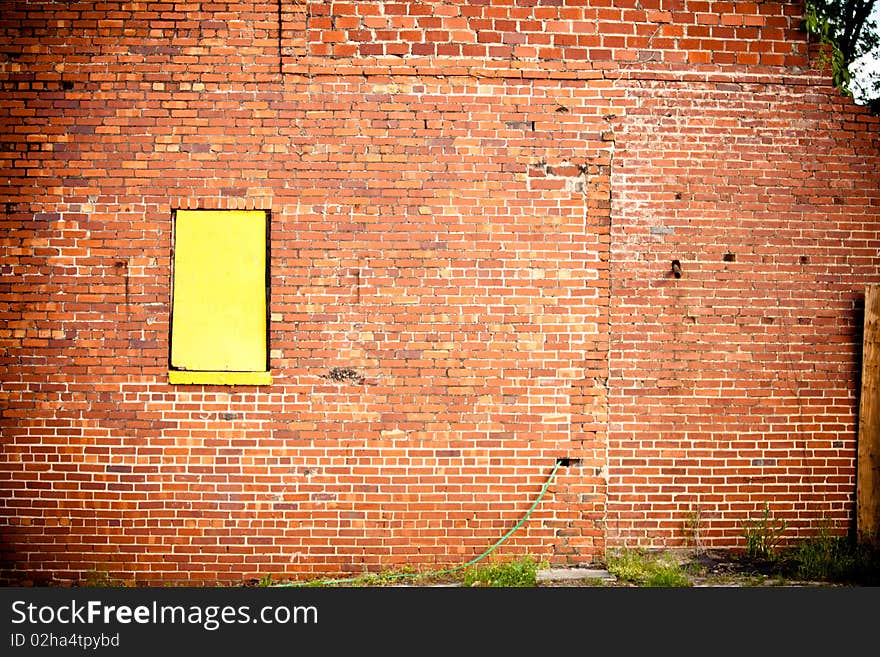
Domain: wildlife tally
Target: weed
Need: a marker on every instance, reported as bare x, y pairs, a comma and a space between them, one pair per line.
265, 580
763, 536
643, 569
97, 578
519, 573
595, 582
101, 579
388, 577
832, 558
693, 527
668, 576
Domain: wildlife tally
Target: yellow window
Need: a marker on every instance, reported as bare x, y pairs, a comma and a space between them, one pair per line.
218, 312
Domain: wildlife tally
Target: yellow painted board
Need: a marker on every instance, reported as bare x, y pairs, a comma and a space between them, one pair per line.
221, 378
219, 297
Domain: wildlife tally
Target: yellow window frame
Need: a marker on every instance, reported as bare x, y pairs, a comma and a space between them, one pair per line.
219, 298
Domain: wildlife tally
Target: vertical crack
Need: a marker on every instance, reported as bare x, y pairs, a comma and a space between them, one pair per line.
280, 41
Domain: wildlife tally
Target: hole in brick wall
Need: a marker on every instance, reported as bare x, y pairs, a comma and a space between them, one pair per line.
562, 109
344, 375
520, 125
729, 257
676, 268
567, 462
805, 260
67, 85
677, 196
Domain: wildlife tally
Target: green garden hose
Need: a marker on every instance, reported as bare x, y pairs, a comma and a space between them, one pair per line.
446, 571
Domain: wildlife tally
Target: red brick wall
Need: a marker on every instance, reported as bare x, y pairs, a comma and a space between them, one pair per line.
754, 33
482, 235
736, 385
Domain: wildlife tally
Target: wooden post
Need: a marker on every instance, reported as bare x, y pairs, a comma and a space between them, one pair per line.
868, 472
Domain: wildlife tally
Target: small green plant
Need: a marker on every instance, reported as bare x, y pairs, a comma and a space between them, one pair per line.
763, 536
101, 578
669, 577
369, 579
518, 573
644, 569
823, 558
596, 582
832, 558
98, 578
388, 577
385, 577
265, 581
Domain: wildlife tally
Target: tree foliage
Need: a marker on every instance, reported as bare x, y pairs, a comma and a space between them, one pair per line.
851, 31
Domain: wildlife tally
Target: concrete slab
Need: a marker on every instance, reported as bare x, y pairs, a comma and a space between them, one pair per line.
571, 574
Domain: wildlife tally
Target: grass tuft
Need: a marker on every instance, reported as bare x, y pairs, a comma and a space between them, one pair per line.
826, 557
521, 572
644, 569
